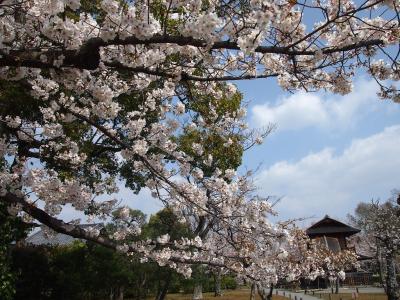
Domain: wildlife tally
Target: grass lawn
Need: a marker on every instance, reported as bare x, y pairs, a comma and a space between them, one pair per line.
242, 294
348, 296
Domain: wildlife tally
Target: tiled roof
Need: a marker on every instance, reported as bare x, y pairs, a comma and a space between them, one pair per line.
329, 225
40, 238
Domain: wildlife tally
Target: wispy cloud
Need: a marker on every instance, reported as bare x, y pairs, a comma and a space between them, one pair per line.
322, 110
326, 182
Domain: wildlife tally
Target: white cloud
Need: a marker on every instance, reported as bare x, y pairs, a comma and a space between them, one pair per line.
328, 183
142, 201
322, 110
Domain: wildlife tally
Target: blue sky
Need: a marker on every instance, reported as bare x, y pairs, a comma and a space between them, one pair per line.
327, 153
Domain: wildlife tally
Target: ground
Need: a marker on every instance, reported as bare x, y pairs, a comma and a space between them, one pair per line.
244, 294
348, 296
364, 293
228, 295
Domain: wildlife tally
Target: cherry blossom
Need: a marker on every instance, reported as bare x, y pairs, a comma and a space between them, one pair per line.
113, 90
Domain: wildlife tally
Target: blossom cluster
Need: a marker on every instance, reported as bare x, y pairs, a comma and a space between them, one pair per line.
136, 91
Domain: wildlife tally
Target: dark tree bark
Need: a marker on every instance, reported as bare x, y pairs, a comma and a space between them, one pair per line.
111, 294
253, 291
264, 295
198, 291
392, 286
120, 293
379, 260
337, 286
217, 284
271, 289
88, 56
162, 293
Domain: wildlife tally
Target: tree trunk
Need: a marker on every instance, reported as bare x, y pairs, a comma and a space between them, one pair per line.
337, 286
262, 292
379, 259
217, 284
271, 289
198, 291
392, 287
253, 291
120, 293
163, 291
140, 289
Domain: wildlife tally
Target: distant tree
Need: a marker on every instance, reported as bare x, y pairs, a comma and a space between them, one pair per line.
366, 242
12, 229
381, 221
78, 271
35, 279
165, 224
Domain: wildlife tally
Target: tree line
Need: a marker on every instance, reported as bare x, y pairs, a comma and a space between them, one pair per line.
85, 270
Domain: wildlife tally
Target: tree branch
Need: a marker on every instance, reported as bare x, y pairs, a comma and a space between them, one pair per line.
79, 233
88, 56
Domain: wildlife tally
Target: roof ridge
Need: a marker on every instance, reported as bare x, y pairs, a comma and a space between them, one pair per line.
335, 220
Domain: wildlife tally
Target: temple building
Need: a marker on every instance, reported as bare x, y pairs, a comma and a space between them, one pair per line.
334, 235
331, 233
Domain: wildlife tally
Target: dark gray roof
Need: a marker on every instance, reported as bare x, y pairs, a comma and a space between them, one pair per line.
328, 225
40, 238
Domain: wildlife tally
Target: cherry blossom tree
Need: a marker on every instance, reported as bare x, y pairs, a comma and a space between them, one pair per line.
381, 221
366, 242
93, 92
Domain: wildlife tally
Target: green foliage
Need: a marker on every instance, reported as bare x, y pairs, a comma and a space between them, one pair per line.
11, 230
165, 222
16, 101
225, 157
77, 271
89, 271
224, 106
35, 277
229, 282
86, 271
135, 215
207, 282
6, 281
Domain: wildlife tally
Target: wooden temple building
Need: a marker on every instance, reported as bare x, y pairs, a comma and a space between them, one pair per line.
334, 235
331, 233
